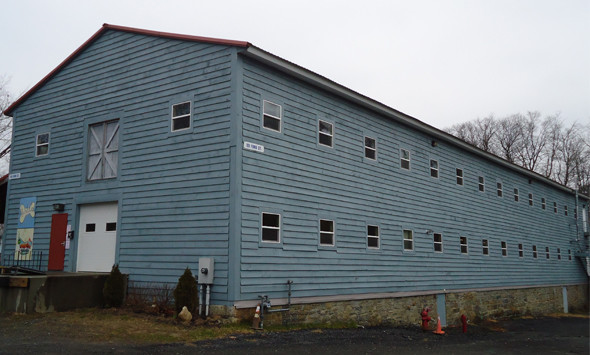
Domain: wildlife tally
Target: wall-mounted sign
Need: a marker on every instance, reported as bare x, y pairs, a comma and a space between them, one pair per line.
253, 146
26, 228
14, 176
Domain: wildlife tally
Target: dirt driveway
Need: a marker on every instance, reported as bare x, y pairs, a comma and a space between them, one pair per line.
58, 334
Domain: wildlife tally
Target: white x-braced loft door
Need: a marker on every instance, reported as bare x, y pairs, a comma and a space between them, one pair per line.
97, 239
103, 150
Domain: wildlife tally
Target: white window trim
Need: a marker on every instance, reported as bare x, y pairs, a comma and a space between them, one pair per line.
499, 189
435, 243
554, 207
37, 145
377, 237
404, 240
331, 135
280, 118
547, 253
504, 247
459, 176
262, 227
543, 203
369, 148
481, 184
485, 247
401, 159
434, 169
173, 118
333, 233
461, 244
565, 213
516, 196
531, 199
520, 250
535, 252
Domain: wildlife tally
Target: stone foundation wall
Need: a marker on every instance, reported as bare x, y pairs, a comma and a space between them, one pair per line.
405, 311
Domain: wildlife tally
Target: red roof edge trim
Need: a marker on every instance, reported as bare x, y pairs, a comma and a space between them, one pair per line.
106, 26
178, 36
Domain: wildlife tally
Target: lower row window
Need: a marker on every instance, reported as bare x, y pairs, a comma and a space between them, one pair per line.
271, 227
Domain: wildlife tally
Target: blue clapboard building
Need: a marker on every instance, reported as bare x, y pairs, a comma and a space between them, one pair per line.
151, 150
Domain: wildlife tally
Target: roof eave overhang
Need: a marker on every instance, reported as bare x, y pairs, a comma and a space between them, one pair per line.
340, 90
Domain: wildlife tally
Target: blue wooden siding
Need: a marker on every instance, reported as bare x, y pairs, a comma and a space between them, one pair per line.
305, 182
172, 187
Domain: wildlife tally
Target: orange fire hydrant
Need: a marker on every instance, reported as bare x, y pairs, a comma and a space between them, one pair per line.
425, 318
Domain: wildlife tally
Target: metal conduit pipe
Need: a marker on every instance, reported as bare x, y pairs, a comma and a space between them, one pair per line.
265, 304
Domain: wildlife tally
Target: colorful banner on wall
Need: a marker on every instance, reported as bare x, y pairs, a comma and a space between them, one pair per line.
26, 228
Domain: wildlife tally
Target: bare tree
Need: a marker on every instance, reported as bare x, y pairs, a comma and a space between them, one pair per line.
509, 137
5, 125
533, 137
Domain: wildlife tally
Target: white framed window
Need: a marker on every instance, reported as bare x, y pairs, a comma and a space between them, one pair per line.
482, 184
326, 232
554, 207
271, 227
534, 251
547, 253
434, 168
181, 116
463, 243
271, 116
543, 203
408, 239
370, 148
565, 210
373, 237
485, 247
520, 251
42, 144
405, 159
558, 253
530, 199
103, 150
515, 195
459, 173
499, 189
504, 247
325, 133
438, 242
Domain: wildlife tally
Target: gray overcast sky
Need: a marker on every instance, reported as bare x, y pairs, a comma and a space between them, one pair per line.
441, 61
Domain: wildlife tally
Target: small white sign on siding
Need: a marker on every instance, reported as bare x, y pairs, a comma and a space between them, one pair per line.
253, 146
14, 176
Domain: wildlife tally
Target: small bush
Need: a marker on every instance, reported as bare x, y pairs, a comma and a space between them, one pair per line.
114, 288
186, 292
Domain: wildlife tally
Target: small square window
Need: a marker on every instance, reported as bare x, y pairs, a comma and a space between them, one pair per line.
42, 144
463, 242
530, 199
565, 210
326, 232
111, 226
485, 247
271, 116
504, 248
543, 203
325, 133
90, 227
499, 189
555, 207
271, 227
181, 116
520, 251
534, 251
405, 159
408, 240
482, 185
459, 176
438, 243
433, 168
373, 237
370, 148
547, 252
516, 195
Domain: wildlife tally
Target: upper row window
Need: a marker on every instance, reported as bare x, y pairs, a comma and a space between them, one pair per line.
181, 116
272, 114
42, 144
325, 133
370, 148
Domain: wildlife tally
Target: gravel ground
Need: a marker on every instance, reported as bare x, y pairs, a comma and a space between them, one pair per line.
550, 335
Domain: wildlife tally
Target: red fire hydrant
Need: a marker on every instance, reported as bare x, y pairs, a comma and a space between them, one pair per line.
464, 321
425, 318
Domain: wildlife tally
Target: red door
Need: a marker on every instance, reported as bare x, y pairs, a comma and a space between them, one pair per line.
57, 243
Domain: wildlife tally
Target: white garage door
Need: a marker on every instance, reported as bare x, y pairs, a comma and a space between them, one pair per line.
97, 237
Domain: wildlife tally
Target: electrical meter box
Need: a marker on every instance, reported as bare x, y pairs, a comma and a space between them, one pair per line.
206, 270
